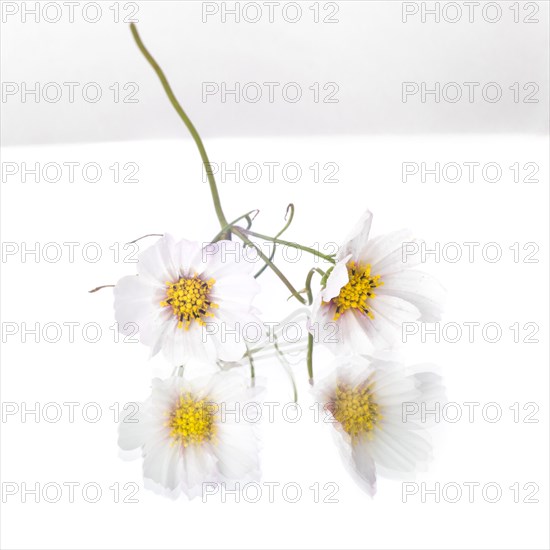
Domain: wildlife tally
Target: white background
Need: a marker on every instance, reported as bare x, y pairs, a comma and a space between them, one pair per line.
170, 195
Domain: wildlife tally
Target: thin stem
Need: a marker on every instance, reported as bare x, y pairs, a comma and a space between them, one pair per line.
310, 357
294, 317
99, 288
178, 370
308, 282
249, 217
266, 353
289, 208
291, 244
250, 358
285, 364
252, 370
144, 236
238, 231
188, 124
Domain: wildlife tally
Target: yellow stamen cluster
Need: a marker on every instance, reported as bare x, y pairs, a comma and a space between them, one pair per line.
192, 421
189, 300
354, 408
357, 291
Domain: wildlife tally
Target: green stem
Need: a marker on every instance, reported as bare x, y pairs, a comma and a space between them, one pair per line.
99, 288
239, 232
284, 362
310, 357
290, 244
252, 369
188, 124
229, 227
289, 208
145, 236
308, 282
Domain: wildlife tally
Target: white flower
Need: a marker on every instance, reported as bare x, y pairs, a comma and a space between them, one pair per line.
193, 432
190, 300
371, 291
378, 411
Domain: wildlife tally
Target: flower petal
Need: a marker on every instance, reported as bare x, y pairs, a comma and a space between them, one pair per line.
388, 253
364, 465
157, 263
338, 278
356, 242
420, 289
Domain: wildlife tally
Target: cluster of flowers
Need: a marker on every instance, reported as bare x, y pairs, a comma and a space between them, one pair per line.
189, 300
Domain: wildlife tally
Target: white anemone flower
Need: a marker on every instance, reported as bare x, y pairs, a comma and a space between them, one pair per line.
371, 291
380, 411
192, 433
189, 300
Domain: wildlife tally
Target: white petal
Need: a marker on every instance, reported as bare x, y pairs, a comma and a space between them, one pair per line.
364, 466
420, 289
355, 333
226, 387
236, 449
157, 263
134, 427
199, 467
338, 278
137, 307
225, 258
393, 310
386, 253
324, 328
356, 242
400, 449
188, 258
156, 461
173, 468
229, 343
429, 384
181, 345
237, 287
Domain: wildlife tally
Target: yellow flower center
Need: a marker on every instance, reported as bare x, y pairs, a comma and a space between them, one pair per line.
355, 409
189, 299
192, 421
357, 291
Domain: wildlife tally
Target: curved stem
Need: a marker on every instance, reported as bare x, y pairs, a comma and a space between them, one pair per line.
188, 124
249, 217
308, 282
290, 244
238, 231
99, 288
145, 236
289, 208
